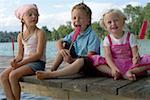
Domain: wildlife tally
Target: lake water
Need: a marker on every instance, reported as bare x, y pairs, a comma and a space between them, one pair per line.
6, 50
26, 96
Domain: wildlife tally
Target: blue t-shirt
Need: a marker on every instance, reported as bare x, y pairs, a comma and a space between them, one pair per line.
86, 42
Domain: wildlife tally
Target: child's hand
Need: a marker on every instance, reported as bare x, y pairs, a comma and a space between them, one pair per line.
66, 56
135, 60
14, 64
115, 73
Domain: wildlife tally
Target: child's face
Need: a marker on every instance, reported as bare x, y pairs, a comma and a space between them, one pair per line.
114, 23
30, 18
79, 18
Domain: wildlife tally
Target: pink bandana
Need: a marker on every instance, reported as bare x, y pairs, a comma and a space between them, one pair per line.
23, 9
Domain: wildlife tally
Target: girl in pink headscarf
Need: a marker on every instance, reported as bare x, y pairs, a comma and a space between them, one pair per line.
31, 53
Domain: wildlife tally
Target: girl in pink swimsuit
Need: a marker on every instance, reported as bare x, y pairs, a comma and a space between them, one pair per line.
120, 49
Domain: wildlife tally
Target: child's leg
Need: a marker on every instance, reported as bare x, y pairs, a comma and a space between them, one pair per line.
59, 57
57, 62
68, 70
4, 78
131, 74
104, 69
14, 77
138, 70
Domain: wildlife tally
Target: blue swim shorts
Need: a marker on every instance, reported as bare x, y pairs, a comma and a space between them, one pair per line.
37, 65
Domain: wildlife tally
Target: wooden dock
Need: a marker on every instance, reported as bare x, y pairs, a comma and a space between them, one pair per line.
78, 87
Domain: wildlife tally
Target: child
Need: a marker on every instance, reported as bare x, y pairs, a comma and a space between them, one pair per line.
31, 54
87, 43
120, 47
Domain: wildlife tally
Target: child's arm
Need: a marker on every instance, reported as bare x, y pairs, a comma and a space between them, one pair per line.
19, 55
60, 44
108, 56
135, 54
134, 49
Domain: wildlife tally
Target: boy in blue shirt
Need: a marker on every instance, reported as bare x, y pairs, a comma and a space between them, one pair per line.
87, 43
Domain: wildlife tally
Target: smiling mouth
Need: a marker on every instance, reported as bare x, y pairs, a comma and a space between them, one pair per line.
114, 28
77, 25
33, 20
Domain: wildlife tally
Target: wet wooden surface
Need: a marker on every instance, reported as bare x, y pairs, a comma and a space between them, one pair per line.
139, 89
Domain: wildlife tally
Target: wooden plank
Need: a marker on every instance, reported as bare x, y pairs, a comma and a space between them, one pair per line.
41, 90
108, 86
53, 82
47, 82
94, 96
80, 85
61, 94
138, 89
63, 80
74, 76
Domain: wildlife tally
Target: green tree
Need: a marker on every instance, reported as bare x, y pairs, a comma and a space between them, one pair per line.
47, 32
146, 11
100, 31
134, 17
55, 34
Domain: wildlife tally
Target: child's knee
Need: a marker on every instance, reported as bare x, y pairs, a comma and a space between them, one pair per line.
80, 60
13, 76
3, 77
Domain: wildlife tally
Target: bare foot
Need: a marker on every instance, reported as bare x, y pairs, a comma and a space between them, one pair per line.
130, 76
43, 74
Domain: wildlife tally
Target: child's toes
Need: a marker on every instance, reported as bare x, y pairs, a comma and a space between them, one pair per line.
130, 76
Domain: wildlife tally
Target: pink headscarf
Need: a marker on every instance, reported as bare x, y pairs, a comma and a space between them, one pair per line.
23, 9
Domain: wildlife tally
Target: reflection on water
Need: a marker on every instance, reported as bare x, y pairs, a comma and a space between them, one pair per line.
26, 96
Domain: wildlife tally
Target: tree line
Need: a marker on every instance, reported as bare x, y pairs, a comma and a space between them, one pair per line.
135, 15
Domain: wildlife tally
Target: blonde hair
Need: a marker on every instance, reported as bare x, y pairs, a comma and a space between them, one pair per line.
111, 11
85, 8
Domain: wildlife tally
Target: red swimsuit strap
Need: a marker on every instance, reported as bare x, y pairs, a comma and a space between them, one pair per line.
110, 41
109, 38
128, 37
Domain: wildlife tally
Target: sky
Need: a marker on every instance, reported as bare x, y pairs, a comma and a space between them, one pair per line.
54, 13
